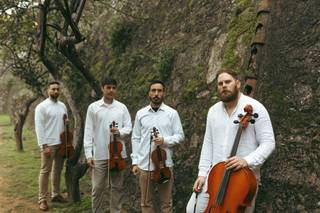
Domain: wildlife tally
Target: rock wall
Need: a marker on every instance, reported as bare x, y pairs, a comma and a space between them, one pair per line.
289, 73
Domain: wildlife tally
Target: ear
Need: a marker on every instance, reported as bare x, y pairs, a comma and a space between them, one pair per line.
238, 84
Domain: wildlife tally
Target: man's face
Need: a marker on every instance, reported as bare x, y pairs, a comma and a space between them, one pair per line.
54, 91
228, 87
109, 91
156, 93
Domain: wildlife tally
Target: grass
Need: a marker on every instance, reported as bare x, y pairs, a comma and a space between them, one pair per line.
20, 171
4, 120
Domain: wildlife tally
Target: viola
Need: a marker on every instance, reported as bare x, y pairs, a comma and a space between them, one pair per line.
232, 191
162, 173
66, 149
116, 162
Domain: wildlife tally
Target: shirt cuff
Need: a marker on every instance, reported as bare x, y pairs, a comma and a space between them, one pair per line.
250, 161
134, 161
88, 154
202, 173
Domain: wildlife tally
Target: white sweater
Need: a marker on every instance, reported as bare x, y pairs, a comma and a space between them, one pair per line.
49, 121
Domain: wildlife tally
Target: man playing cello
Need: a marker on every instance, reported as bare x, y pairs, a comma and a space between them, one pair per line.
255, 146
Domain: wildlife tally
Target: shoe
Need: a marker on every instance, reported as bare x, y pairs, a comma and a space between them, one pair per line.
43, 206
58, 199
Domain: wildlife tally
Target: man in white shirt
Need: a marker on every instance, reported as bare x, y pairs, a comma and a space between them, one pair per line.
49, 125
97, 135
256, 144
167, 121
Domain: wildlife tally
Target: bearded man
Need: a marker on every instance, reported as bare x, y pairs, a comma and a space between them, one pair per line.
49, 125
256, 143
166, 119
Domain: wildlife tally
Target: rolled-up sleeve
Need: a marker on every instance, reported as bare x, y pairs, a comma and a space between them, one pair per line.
178, 134
135, 140
88, 134
265, 139
40, 125
127, 125
206, 151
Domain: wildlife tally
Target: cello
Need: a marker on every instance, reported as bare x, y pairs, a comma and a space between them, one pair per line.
232, 191
162, 173
116, 162
66, 149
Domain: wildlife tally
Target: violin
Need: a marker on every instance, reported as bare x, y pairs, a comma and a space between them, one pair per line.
232, 191
66, 149
116, 162
162, 173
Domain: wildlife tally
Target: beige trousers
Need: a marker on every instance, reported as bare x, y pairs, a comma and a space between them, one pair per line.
47, 162
165, 193
100, 187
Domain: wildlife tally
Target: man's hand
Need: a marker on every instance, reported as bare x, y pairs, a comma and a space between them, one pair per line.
158, 140
236, 163
135, 170
90, 162
197, 187
46, 150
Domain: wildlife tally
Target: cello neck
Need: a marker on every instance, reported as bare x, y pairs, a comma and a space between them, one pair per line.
236, 141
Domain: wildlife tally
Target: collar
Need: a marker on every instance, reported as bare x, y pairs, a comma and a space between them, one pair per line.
101, 103
162, 107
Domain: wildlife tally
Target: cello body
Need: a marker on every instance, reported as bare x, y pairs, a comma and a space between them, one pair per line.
232, 191
242, 187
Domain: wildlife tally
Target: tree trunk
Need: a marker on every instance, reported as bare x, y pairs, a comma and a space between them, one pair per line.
18, 128
75, 167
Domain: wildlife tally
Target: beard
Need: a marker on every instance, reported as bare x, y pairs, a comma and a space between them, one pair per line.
228, 96
156, 100
54, 96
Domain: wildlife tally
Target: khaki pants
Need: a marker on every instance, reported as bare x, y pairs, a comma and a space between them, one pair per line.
46, 166
164, 190
100, 186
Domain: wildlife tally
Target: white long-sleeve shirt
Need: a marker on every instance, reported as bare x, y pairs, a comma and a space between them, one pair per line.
167, 121
49, 121
256, 143
97, 128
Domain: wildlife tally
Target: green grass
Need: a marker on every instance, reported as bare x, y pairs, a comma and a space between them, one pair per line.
20, 171
4, 120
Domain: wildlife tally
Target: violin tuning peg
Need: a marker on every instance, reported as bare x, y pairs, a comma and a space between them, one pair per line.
240, 115
255, 115
236, 122
252, 121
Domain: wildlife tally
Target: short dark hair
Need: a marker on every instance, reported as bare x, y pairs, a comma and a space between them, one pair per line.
228, 71
53, 82
157, 82
108, 81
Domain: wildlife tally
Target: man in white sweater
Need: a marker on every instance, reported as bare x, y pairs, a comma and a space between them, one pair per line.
256, 143
49, 125
97, 134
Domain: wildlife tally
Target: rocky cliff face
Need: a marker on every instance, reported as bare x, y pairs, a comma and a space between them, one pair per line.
289, 71
185, 42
